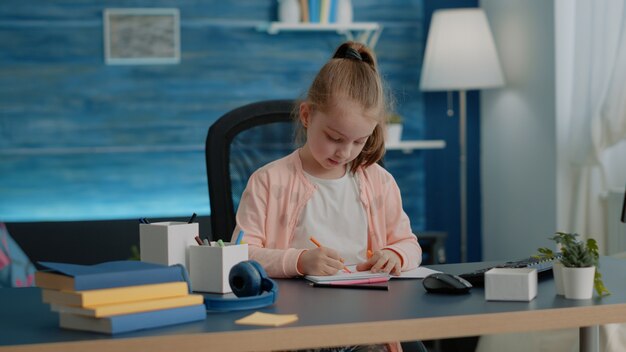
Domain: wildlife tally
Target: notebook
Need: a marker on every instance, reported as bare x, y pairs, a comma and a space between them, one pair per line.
417, 273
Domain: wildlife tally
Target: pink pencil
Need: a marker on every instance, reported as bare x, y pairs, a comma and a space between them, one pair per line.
373, 280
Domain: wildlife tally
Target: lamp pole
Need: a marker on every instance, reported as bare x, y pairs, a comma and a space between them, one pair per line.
463, 171
461, 55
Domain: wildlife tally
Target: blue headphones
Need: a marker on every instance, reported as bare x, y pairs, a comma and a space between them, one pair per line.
250, 284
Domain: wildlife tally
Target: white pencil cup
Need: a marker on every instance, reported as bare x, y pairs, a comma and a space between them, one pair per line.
209, 266
167, 242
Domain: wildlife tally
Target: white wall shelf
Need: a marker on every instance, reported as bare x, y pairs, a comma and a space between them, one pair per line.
364, 32
408, 146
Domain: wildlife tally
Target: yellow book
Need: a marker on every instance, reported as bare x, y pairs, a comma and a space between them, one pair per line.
55, 281
109, 310
91, 298
325, 11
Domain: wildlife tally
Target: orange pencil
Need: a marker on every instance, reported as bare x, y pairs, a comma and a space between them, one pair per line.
315, 242
369, 253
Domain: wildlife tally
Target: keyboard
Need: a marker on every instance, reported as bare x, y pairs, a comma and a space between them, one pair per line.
543, 266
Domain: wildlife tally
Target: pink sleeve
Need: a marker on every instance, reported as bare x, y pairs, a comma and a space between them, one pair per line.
400, 237
252, 217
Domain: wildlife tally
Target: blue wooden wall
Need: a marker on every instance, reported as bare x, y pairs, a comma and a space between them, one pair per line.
83, 140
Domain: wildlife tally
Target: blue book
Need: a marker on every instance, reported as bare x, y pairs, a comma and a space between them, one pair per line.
132, 322
314, 10
332, 17
75, 277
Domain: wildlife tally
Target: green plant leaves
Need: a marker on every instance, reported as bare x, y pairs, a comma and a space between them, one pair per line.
577, 254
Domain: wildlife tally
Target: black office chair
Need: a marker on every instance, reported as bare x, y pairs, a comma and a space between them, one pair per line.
237, 144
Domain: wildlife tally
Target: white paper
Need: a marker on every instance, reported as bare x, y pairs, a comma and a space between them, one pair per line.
342, 275
417, 273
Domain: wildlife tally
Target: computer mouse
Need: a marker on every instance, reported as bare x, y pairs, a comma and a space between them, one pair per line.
446, 283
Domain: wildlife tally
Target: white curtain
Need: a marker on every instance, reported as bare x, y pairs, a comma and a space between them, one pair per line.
598, 108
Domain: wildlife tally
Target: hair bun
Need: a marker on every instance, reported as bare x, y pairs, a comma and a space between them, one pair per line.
351, 53
346, 51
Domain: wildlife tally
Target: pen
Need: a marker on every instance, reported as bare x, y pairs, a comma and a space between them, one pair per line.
144, 221
315, 242
192, 218
373, 280
220, 243
239, 237
206, 242
358, 287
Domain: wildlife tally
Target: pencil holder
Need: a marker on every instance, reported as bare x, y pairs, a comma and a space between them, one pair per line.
167, 242
209, 266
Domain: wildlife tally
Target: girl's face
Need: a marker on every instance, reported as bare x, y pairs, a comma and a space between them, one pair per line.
334, 138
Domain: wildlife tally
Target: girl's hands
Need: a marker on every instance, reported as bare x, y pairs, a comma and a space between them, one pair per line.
319, 261
384, 260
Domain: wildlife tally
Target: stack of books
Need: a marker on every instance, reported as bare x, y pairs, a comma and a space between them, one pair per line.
318, 11
120, 296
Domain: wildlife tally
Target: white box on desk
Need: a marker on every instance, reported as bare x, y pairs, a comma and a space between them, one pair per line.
209, 266
167, 242
511, 284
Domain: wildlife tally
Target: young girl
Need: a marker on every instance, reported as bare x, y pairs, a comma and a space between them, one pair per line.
331, 188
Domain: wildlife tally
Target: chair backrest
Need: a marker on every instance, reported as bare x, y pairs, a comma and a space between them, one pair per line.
237, 144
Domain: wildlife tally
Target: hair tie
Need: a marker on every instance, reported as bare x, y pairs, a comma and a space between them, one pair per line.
351, 53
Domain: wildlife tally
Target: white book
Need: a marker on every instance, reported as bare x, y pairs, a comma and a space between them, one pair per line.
417, 273
342, 276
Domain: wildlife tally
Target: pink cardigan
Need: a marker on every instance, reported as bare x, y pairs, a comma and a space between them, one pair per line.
276, 194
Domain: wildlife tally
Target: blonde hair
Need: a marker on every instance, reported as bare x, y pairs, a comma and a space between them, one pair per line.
352, 74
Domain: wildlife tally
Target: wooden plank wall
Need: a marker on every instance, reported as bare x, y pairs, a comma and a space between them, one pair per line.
83, 140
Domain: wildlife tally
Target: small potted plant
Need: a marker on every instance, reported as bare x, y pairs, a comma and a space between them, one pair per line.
577, 266
394, 129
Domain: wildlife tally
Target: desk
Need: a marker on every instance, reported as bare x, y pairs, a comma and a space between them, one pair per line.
329, 317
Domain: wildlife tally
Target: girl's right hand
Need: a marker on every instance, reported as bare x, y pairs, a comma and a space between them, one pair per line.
319, 261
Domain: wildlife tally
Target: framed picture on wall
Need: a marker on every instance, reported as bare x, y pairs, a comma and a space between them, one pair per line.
141, 36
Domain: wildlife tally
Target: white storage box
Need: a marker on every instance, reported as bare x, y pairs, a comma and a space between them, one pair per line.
209, 266
167, 242
511, 284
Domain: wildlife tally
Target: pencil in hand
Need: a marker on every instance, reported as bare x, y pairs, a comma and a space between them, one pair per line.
315, 242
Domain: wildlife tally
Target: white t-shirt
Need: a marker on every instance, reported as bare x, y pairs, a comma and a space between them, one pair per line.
336, 218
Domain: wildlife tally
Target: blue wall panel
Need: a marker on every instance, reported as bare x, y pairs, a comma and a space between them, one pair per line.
83, 140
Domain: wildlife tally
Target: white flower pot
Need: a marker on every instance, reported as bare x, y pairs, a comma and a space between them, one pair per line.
557, 273
344, 11
394, 133
289, 11
578, 282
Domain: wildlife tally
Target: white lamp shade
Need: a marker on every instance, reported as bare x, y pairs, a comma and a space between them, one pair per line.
460, 52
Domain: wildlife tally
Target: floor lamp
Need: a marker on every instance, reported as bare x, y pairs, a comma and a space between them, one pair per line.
460, 55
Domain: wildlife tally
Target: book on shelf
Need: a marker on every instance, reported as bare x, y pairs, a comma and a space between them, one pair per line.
332, 15
314, 11
75, 277
114, 295
324, 11
304, 11
133, 322
108, 310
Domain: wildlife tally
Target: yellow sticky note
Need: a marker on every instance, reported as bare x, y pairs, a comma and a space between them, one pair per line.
266, 319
